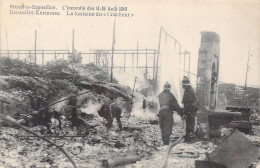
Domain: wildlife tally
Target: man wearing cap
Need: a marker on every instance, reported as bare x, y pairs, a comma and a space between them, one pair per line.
190, 110
168, 104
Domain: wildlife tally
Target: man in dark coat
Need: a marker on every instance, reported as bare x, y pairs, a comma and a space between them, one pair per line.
190, 110
168, 104
109, 112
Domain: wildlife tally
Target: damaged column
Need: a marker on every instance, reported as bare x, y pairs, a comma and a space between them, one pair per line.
208, 69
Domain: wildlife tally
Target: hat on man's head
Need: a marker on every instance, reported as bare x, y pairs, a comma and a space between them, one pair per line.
185, 81
106, 101
167, 86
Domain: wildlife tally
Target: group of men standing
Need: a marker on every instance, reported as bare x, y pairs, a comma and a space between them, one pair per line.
168, 104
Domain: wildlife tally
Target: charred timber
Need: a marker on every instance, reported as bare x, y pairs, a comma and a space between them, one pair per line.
104, 89
113, 162
225, 113
63, 100
132, 128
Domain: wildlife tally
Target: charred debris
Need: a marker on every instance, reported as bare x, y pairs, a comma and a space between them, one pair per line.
58, 102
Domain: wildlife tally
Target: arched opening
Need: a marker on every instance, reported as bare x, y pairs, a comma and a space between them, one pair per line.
213, 88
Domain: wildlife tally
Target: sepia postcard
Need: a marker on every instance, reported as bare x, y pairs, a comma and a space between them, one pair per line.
130, 83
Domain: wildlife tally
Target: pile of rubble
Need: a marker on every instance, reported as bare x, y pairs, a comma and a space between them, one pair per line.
29, 87
26, 88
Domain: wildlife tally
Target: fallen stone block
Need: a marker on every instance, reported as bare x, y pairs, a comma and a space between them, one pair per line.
235, 152
207, 164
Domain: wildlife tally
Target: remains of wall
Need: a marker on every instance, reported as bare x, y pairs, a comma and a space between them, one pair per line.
208, 68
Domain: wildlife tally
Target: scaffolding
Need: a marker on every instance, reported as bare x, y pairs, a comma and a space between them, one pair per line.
125, 59
142, 60
36, 56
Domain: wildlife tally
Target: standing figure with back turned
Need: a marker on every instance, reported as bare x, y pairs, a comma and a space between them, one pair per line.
168, 104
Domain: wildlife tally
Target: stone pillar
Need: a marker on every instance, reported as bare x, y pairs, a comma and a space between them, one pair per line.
208, 69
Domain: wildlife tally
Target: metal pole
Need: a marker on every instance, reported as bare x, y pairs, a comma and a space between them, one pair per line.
184, 63
132, 62
189, 66
132, 100
6, 40
179, 59
97, 59
146, 64
30, 56
55, 55
113, 47
42, 57
137, 56
246, 76
157, 63
94, 57
175, 50
153, 64
35, 43
124, 60
72, 51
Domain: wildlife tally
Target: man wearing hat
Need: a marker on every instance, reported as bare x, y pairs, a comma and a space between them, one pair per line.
190, 110
168, 104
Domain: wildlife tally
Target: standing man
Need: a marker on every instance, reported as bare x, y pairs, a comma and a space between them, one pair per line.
168, 104
190, 110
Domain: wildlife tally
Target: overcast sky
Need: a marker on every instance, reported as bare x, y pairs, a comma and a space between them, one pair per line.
237, 23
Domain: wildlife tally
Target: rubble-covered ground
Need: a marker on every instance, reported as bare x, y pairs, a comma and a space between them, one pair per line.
18, 149
29, 87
